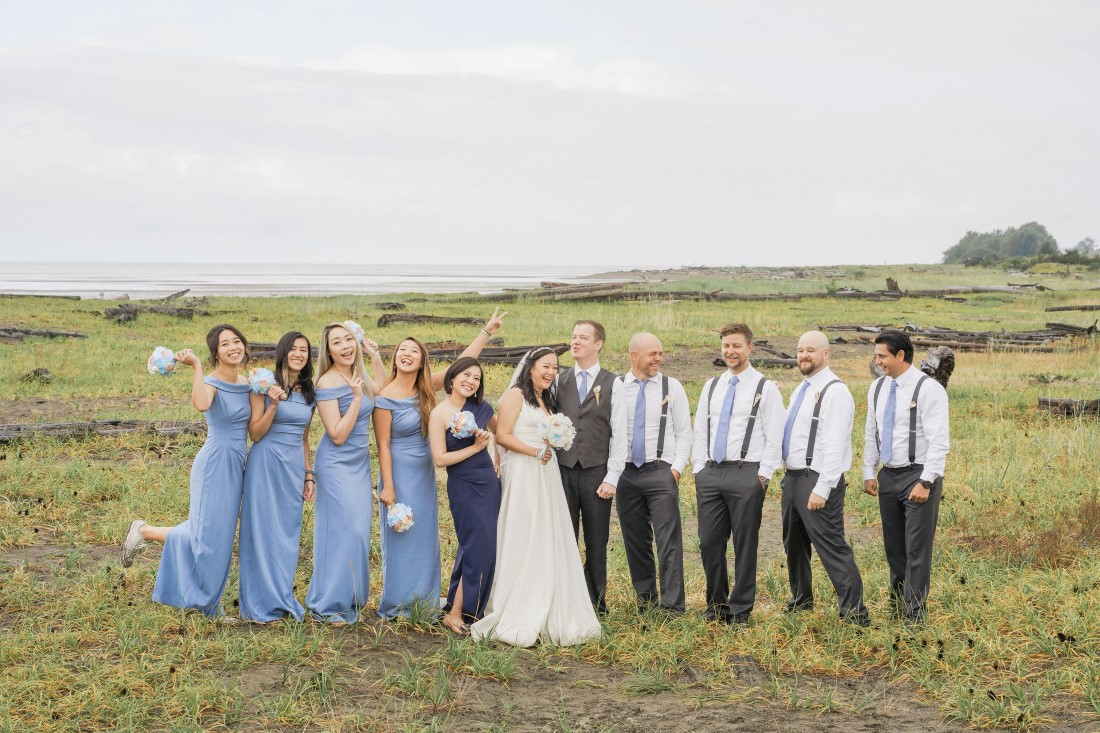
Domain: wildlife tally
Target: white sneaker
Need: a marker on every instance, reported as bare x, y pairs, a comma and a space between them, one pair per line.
133, 543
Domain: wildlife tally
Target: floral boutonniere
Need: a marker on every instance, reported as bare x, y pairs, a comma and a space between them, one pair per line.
596, 394
817, 397
665, 400
912, 404
756, 398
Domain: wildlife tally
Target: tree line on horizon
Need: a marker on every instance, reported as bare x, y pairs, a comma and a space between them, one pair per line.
1021, 246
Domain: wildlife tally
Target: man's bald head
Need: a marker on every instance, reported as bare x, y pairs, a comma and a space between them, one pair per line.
646, 355
813, 353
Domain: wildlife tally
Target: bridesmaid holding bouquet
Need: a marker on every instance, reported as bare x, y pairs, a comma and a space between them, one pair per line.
410, 559
277, 480
460, 429
194, 565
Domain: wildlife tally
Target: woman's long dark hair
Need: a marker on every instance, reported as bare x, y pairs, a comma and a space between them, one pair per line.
304, 383
457, 368
527, 386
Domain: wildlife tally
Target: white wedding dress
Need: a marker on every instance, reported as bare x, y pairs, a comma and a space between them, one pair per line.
538, 589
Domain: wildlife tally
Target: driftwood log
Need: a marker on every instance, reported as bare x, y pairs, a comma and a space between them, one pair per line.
1055, 308
173, 296
442, 351
390, 306
36, 295
389, 318
129, 311
12, 334
11, 433
766, 362
1069, 408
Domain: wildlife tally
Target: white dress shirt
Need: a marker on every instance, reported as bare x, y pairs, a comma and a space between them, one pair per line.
833, 444
615, 396
933, 428
766, 445
677, 446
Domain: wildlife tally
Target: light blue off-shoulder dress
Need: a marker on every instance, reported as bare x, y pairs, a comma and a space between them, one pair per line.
342, 518
410, 559
271, 515
194, 565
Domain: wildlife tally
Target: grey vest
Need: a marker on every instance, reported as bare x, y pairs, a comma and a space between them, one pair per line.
592, 421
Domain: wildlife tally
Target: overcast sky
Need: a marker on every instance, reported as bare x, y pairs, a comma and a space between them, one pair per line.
616, 133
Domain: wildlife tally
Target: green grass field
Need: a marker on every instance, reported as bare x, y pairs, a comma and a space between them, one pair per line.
1012, 639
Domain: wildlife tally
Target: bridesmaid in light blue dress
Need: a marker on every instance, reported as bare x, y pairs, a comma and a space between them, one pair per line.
342, 520
194, 565
277, 480
410, 559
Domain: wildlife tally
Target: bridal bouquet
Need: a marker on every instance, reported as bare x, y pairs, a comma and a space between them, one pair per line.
162, 361
260, 380
356, 331
558, 431
400, 517
462, 424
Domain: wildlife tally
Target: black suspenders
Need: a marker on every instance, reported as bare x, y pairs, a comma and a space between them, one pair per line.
664, 414
752, 415
912, 418
814, 421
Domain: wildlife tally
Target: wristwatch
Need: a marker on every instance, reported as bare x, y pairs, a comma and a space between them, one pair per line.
925, 483
765, 481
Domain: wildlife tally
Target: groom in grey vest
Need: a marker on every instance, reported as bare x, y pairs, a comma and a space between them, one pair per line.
585, 393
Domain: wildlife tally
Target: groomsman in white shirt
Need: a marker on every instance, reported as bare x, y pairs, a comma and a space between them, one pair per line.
584, 466
817, 450
650, 446
908, 431
738, 430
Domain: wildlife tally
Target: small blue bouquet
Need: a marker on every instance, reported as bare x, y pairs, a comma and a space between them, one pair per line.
162, 362
400, 517
462, 424
558, 431
260, 380
356, 331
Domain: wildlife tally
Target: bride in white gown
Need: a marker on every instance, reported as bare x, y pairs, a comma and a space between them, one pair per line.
538, 589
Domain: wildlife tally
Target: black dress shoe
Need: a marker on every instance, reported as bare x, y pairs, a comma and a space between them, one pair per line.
740, 619
859, 619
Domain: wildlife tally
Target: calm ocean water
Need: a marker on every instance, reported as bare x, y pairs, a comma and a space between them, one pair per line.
156, 280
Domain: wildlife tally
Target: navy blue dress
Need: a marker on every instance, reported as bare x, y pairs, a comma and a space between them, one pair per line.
473, 490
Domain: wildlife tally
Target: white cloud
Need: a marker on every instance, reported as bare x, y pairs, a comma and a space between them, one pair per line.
851, 203
553, 65
179, 36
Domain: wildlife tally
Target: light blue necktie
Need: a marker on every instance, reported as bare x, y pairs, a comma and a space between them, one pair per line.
887, 451
721, 436
791, 417
637, 440
583, 391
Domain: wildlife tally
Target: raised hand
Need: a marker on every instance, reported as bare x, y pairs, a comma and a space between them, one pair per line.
276, 393
356, 384
187, 356
495, 321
